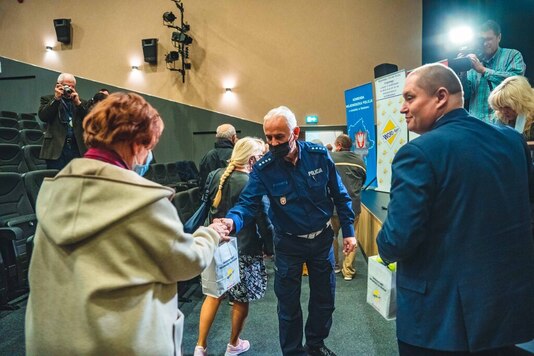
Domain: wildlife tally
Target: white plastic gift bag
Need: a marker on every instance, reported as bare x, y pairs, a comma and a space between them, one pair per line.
223, 272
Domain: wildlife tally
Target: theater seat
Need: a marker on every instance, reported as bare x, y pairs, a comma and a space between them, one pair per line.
18, 221
33, 180
12, 158
9, 122
32, 137
10, 114
10, 135
31, 157
29, 124
25, 116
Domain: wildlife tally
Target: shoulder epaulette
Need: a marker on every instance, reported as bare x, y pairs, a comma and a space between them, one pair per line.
317, 149
264, 162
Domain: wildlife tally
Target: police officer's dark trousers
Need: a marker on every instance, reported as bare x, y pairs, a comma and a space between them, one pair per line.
291, 252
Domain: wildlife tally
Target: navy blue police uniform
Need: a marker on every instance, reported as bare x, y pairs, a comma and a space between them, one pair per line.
302, 199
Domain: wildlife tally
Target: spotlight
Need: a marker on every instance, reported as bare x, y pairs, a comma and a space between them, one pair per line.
461, 35
172, 56
169, 17
181, 37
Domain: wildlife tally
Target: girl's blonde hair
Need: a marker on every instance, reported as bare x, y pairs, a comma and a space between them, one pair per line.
244, 149
517, 94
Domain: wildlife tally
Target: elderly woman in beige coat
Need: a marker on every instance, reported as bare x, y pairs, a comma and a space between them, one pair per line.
109, 246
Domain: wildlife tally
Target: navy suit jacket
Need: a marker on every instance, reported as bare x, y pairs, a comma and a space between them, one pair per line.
459, 226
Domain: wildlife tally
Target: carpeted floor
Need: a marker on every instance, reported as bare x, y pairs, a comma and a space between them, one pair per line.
357, 330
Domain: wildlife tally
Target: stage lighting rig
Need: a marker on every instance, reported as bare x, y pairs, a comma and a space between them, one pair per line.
180, 37
168, 18
180, 40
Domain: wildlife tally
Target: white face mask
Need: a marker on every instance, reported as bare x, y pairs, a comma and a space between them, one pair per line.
520, 123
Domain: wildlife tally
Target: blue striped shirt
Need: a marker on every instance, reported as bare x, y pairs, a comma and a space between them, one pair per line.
504, 63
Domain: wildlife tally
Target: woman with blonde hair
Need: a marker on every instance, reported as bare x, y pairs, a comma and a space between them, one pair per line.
513, 102
225, 188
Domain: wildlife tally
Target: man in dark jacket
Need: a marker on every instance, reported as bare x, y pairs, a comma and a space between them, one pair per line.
352, 171
218, 156
460, 233
63, 114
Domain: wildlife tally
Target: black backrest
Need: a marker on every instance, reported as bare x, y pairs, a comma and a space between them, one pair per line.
187, 170
3, 283
24, 116
11, 114
9, 122
150, 173
31, 156
29, 124
186, 203
33, 180
14, 201
16, 212
10, 135
194, 169
173, 175
32, 137
12, 158
160, 173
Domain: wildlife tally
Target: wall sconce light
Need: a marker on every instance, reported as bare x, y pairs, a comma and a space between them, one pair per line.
135, 67
227, 90
49, 48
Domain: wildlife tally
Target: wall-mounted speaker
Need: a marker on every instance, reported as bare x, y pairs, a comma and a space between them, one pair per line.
63, 30
150, 50
385, 69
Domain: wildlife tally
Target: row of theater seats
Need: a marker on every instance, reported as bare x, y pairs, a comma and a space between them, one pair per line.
18, 194
14, 158
21, 175
14, 115
21, 137
20, 124
180, 175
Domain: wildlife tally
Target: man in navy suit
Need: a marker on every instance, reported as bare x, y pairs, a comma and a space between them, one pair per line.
459, 226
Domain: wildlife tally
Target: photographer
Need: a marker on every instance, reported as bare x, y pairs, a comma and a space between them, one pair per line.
98, 97
63, 113
489, 69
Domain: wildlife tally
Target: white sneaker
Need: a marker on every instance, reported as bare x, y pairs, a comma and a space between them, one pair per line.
242, 346
200, 351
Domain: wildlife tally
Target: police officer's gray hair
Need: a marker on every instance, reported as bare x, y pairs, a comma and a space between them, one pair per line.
66, 76
282, 111
225, 131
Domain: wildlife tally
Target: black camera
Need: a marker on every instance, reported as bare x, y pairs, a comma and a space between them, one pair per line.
462, 63
67, 91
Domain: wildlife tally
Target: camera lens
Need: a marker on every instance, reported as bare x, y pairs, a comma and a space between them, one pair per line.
67, 91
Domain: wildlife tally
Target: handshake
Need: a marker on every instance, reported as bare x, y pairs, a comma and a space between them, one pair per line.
223, 227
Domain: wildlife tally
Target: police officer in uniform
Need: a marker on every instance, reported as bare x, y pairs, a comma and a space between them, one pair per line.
302, 184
